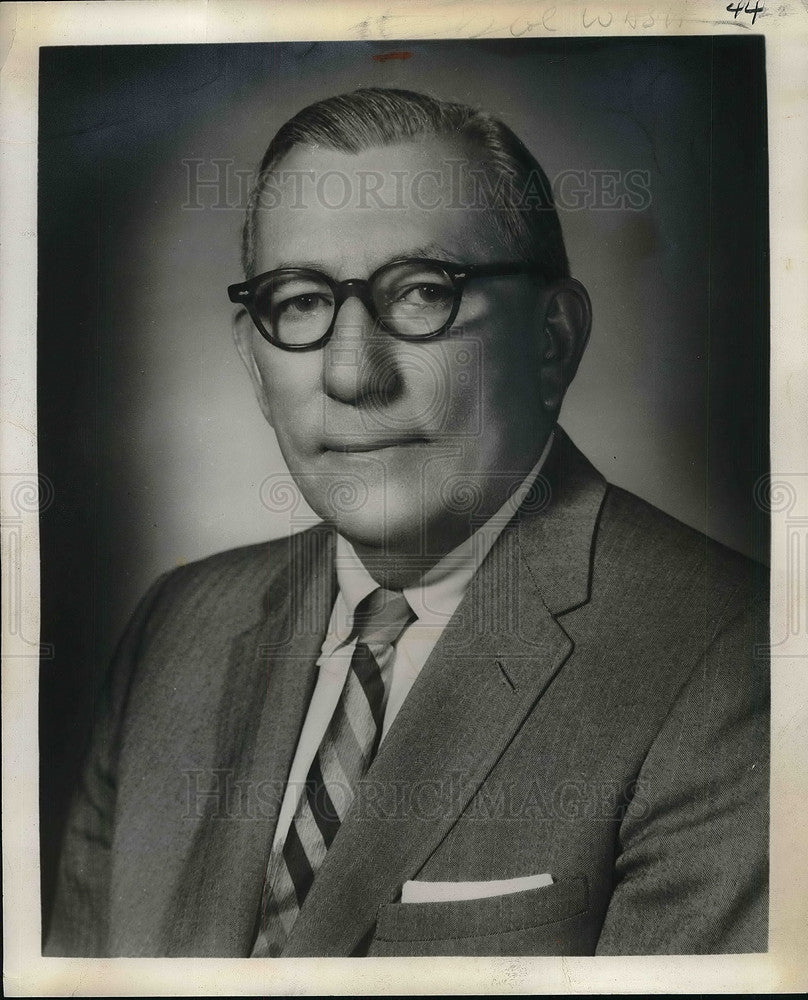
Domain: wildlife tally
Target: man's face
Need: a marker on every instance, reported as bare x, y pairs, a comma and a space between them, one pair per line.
405, 445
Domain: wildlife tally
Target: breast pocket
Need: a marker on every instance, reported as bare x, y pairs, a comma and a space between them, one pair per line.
551, 920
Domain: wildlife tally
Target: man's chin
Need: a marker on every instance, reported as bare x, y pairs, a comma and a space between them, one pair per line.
383, 534
402, 539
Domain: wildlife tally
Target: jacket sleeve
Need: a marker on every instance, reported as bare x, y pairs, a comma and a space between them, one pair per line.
691, 875
78, 925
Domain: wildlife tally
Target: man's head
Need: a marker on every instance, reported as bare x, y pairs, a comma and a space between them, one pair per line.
434, 384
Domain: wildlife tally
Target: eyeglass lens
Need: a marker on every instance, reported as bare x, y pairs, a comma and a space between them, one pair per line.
411, 298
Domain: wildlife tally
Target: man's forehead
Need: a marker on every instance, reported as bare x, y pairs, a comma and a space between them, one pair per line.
329, 207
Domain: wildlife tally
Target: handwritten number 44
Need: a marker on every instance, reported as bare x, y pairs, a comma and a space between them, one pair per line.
743, 8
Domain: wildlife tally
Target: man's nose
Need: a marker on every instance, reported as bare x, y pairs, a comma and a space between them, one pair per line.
359, 361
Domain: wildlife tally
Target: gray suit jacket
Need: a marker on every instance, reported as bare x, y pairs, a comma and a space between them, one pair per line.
596, 709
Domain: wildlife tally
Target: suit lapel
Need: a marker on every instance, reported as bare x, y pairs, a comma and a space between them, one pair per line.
558, 524
272, 665
491, 664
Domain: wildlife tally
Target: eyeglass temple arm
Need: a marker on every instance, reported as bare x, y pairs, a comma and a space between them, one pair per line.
493, 270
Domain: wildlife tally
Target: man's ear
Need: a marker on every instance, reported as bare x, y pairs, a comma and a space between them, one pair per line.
565, 332
243, 332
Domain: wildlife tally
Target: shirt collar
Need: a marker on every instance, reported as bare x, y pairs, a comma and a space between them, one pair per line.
436, 596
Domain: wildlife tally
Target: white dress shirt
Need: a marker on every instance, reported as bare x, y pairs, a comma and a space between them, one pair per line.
434, 599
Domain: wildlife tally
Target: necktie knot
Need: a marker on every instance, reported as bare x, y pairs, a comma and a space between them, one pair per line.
381, 617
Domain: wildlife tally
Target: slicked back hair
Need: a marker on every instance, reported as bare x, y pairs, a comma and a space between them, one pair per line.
524, 212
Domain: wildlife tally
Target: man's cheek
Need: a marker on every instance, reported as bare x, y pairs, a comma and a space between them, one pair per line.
456, 413
293, 420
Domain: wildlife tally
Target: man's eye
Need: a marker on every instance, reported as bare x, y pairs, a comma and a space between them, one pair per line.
425, 295
302, 305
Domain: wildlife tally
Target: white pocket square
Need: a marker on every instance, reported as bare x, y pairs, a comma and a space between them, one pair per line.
445, 892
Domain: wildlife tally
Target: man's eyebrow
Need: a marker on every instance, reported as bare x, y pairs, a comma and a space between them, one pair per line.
429, 251
300, 265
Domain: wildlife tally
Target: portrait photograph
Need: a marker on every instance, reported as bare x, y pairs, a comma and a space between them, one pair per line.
405, 501
414, 283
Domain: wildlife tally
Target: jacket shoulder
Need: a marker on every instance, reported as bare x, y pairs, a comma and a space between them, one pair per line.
669, 576
233, 585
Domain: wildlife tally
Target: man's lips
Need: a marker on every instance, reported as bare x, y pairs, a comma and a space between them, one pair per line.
360, 445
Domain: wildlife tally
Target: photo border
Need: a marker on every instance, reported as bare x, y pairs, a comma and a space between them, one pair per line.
24, 27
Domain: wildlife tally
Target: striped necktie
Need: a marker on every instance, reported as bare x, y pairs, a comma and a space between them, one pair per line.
343, 757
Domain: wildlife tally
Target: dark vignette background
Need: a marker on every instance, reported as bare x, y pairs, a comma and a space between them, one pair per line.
147, 428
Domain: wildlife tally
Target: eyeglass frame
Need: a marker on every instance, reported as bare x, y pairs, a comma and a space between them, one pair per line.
243, 293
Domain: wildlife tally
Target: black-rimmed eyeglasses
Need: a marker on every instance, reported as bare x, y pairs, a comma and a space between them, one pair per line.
295, 308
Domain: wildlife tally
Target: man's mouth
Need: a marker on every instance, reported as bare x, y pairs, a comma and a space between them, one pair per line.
362, 445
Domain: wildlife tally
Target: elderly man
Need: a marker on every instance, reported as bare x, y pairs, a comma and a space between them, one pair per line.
488, 704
